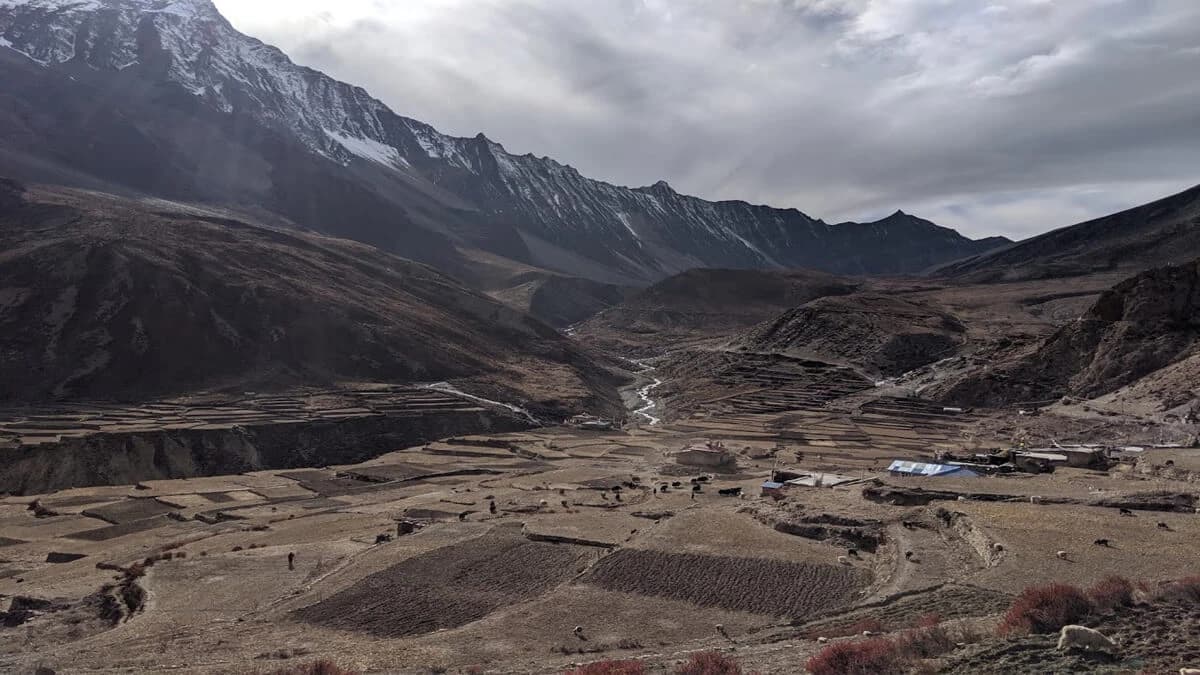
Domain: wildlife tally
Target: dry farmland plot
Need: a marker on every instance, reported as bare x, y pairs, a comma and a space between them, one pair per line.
450, 586
774, 587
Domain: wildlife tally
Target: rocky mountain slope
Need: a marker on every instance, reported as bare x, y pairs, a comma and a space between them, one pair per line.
105, 297
191, 99
1164, 231
1148, 325
884, 335
704, 305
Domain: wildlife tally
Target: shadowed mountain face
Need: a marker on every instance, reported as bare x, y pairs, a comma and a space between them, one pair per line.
1142, 325
165, 97
705, 304
1164, 231
884, 335
105, 297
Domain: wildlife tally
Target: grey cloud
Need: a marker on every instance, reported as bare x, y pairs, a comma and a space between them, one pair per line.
1000, 116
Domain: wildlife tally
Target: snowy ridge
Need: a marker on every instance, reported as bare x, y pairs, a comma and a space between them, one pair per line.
646, 232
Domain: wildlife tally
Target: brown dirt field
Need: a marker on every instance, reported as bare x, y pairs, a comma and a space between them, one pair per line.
614, 624
449, 587
1032, 534
721, 530
761, 586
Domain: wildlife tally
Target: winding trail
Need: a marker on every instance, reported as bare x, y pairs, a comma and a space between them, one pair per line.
448, 388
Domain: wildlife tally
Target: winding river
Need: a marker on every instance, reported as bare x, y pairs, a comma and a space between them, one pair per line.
644, 391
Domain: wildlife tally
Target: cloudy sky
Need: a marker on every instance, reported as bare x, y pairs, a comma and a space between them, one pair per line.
991, 116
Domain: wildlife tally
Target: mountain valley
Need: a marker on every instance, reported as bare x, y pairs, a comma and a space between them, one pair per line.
291, 384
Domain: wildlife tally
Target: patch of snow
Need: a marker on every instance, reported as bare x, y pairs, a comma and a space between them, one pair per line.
369, 149
55, 5
624, 218
752, 247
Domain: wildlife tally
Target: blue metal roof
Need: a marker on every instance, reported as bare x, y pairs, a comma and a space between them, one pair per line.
771, 485
925, 469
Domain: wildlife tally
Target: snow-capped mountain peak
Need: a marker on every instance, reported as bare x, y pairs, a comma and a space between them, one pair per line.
565, 220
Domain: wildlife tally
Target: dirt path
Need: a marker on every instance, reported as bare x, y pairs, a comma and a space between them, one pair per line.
936, 555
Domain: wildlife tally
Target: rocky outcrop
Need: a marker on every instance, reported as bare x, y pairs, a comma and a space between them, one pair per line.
883, 334
1138, 327
126, 458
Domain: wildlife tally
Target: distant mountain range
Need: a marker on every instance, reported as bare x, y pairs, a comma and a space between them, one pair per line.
166, 98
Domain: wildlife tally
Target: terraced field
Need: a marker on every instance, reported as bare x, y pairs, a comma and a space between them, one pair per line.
451, 586
761, 586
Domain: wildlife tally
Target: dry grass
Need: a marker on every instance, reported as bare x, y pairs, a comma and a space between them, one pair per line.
928, 620
609, 668
709, 663
924, 643
319, 667
865, 625
1185, 591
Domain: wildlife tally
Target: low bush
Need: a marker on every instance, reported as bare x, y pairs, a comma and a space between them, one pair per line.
877, 656
709, 663
924, 643
320, 667
610, 668
1045, 609
1186, 591
1111, 592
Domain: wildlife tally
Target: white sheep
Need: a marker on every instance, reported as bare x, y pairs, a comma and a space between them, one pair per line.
543, 504
578, 630
867, 633
1035, 499
822, 640
1062, 555
997, 547
1086, 639
843, 560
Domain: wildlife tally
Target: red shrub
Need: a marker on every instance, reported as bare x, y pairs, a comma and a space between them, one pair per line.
1111, 592
610, 668
709, 663
1045, 609
877, 656
321, 667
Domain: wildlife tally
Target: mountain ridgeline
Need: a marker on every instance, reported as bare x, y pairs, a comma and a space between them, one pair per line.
165, 97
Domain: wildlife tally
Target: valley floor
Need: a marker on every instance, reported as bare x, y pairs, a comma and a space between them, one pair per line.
485, 552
